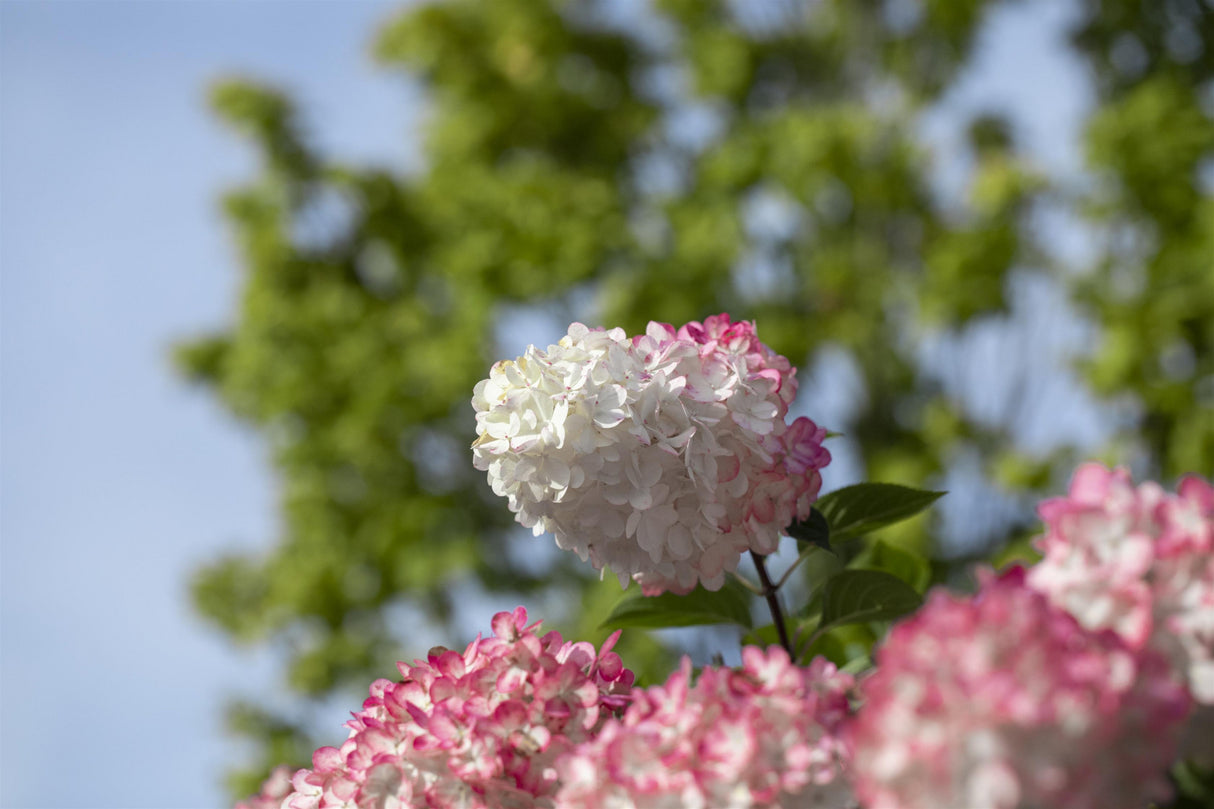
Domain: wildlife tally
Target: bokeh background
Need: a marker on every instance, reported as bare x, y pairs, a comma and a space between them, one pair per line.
254, 256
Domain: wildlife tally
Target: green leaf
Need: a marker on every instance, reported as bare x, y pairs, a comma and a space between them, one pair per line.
765, 635
857, 665
814, 530
840, 645
818, 569
1016, 551
860, 596
729, 605
1194, 786
910, 567
865, 507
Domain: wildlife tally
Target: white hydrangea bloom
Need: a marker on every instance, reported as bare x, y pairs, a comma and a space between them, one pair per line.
663, 457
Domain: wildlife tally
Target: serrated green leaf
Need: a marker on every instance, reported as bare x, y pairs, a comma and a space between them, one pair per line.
910, 567
860, 509
814, 530
729, 605
861, 596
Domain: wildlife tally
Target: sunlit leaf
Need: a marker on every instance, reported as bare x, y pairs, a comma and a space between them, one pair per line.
860, 596
906, 565
860, 509
729, 605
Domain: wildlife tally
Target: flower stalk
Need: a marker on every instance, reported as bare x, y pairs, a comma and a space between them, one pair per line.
773, 602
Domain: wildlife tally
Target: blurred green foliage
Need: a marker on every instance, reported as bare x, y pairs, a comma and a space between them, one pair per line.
624, 162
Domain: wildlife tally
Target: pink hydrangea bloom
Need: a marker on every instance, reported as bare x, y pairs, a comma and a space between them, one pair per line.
273, 791
478, 730
663, 457
1139, 561
764, 735
1002, 700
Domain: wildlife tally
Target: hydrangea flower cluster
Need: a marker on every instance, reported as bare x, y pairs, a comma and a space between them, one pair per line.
764, 735
1004, 701
474, 730
1139, 561
663, 457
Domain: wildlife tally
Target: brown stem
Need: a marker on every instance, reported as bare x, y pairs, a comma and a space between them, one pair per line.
773, 603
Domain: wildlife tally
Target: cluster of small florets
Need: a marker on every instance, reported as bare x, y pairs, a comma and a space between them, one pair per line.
1003, 701
663, 457
763, 735
474, 730
1139, 561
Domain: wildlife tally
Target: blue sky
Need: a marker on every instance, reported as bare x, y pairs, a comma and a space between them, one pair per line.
116, 478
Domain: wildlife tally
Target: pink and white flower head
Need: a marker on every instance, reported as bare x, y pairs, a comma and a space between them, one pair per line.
478, 730
663, 456
1139, 561
1002, 700
764, 735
